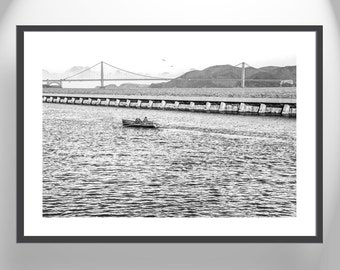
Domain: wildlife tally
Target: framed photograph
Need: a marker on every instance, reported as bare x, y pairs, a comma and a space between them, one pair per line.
169, 134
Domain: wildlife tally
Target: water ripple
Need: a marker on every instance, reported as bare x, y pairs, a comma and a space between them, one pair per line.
196, 165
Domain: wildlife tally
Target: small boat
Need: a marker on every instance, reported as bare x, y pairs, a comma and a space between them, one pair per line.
139, 124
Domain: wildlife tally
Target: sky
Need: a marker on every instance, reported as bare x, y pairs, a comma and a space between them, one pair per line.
155, 53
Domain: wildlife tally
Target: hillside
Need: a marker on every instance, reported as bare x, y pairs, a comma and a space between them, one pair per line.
229, 76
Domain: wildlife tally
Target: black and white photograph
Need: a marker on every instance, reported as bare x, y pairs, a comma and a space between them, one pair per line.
158, 131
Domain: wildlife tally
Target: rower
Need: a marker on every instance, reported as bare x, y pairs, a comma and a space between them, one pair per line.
145, 120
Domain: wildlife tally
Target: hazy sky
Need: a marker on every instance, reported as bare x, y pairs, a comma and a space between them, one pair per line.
158, 52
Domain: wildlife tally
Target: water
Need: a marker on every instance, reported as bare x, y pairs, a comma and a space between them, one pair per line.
196, 165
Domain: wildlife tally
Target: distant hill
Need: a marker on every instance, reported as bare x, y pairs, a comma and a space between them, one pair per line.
212, 77
126, 86
132, 85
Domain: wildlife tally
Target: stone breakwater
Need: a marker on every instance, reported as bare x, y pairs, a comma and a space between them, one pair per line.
227, 105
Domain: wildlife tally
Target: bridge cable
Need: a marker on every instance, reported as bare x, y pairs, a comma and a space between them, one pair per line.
264, 71
249, 66
146, 76
237, 65
81, 72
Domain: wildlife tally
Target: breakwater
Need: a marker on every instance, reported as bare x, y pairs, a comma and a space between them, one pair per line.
227, 105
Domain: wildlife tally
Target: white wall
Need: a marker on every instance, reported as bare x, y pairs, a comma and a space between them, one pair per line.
166, 256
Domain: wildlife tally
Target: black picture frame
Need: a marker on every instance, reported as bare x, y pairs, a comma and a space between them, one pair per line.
22, 238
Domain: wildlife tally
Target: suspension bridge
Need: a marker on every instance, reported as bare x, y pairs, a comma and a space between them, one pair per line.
86, 75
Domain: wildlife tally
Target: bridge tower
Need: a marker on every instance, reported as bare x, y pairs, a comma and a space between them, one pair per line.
243, 74
101, 75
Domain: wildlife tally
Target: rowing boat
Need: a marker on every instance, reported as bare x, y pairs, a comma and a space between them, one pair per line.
139, 124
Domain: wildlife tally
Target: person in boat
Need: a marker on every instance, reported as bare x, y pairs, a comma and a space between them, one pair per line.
145, 120
138, 120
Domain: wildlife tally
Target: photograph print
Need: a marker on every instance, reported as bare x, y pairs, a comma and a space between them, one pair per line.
169, 134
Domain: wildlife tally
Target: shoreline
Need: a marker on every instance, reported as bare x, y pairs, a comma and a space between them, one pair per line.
269, 92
